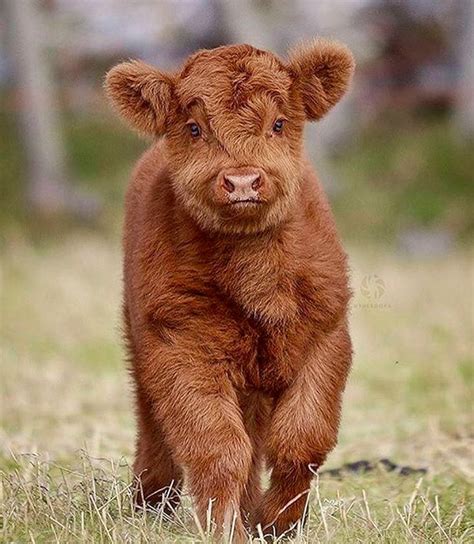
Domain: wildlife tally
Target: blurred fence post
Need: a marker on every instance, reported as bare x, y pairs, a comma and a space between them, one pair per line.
39, 124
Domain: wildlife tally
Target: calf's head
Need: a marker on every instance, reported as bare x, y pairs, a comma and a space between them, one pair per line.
232, 119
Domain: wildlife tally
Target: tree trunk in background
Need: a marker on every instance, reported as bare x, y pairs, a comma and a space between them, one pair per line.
464, 115
39, 124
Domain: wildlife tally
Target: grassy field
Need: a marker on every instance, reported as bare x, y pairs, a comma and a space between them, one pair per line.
67, 430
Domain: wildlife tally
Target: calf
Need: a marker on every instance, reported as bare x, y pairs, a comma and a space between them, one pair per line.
235, 281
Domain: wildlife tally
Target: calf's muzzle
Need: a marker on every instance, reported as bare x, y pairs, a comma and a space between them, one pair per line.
241, 184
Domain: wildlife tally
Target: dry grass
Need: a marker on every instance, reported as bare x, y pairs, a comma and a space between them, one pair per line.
67, 425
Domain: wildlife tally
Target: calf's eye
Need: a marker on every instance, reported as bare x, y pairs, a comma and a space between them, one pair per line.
278, 126
194, 129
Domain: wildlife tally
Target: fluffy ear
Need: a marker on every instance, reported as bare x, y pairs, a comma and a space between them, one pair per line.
323, 70
141, 94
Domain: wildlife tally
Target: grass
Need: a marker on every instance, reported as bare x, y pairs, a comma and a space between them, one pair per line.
397, 176
67, 430
100, 152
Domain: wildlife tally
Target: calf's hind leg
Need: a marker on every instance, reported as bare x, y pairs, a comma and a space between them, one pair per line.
255, 410
159, 478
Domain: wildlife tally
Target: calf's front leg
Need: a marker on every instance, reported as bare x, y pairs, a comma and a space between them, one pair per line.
303, 430
197, 408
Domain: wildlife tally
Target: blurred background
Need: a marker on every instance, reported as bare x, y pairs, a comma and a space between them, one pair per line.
397, 159
396, 156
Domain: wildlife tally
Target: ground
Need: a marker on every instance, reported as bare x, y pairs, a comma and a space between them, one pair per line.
67, 429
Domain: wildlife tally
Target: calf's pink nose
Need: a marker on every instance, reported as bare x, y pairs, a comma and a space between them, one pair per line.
241, 184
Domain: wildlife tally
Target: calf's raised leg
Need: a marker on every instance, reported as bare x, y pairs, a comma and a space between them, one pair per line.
303, 430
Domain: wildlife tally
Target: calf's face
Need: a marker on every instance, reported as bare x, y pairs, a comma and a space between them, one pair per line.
233, 120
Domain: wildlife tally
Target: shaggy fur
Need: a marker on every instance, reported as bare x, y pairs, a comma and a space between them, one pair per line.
235, 310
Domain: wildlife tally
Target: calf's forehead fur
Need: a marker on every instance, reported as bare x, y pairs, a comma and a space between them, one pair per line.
236, 91
227, 77
232, 80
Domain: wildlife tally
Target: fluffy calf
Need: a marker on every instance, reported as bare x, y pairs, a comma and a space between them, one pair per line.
236, 290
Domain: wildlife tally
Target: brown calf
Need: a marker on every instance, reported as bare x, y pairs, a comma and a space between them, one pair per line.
236, 289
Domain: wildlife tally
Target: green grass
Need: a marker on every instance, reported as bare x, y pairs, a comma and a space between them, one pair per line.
99, 153
67, 429
395, 177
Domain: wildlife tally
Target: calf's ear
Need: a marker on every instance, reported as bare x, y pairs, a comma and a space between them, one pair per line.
322, 69
141, 94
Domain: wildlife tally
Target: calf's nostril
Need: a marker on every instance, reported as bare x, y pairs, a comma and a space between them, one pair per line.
256, 183
228, 185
